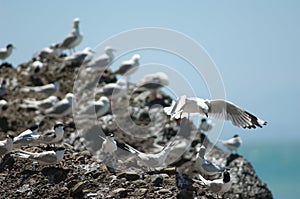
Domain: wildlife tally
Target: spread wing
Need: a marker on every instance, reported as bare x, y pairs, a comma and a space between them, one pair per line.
221, 109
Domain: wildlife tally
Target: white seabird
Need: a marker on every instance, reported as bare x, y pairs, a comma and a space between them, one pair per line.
218, 186
205, 125
74, 38
53, 136
206, 167
44, 158
80, 57
29, 137
218, 109
39, 104
6, 52
102, 61
152, 160
128, 67
62, 108
100, 107
47, 89
233, 143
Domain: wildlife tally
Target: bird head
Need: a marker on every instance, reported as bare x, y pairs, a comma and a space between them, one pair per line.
226, 176
59, 126
10, 46
109, 50
76, 20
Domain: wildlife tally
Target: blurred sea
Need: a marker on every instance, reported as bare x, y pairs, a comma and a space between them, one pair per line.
277, 163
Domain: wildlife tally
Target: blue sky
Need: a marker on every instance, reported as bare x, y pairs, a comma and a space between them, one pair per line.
255, 45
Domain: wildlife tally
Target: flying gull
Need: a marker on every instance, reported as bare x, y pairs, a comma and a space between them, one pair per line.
219, 109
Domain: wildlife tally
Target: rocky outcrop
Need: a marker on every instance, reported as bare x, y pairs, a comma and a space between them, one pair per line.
81, 175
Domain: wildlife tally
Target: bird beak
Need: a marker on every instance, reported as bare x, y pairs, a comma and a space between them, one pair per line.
206, 115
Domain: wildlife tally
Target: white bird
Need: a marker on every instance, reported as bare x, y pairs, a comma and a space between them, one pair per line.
74, 38
62, 108
116, 89
102, 61
80, 57
29, 137
53, 136
128, 67
109, 145
40, 104
218, 186
3, 105
6, 146
232, 144
218, 109
100, 107
205, 125
6, 52
206, 167
50, 52
47, 89
152, 160
44, 158
154, 81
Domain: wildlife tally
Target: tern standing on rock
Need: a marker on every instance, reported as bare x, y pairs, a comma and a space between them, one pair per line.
44, 158
218, 186
6, 52
29, 137
152, 160
53, 136
206, 167
205, 125
232, 144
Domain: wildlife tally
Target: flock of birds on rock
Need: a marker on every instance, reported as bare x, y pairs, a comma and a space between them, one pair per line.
52, 106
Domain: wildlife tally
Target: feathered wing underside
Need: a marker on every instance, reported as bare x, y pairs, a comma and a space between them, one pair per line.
178, 107
221, 109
